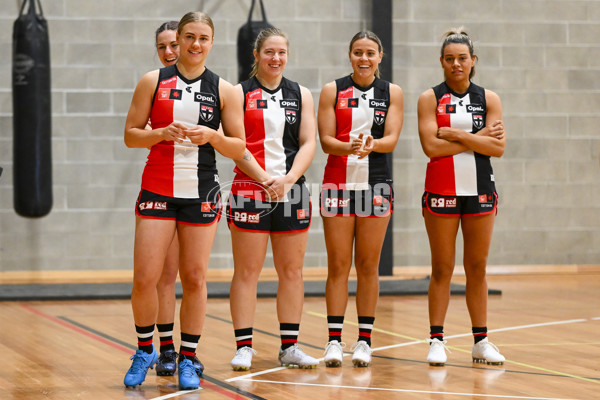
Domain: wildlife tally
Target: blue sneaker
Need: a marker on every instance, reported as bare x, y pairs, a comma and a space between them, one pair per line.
199, 366
139, 367
188, 376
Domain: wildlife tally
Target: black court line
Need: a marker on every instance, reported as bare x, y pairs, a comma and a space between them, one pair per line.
206, 377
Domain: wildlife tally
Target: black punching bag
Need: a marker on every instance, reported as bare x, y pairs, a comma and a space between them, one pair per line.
245, 43
32, 129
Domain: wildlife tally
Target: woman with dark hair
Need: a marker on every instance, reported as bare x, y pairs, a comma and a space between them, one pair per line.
460, 127
360, 118
269, 199
185, 103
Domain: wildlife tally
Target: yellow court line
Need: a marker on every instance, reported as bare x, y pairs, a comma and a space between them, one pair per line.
467, 351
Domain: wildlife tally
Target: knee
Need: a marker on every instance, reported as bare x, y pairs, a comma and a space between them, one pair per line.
442, 273
290, 274
193, 281
476, 271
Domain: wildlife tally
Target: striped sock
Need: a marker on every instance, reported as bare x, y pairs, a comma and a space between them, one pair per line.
479, 333
335, 324
188, 346
365, 326
144, 336
165, 332
289, 334
436, 332
243, 337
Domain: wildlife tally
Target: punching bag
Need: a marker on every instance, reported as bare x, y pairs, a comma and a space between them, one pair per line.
32, 129
245, 42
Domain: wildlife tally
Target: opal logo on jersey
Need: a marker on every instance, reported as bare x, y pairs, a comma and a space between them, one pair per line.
473, 108
153, 205
379, 117
204, 98
207, 207
441, 202
378, 200
478, 121
287, 104
377, 103
206, 112
450, 109
290, 116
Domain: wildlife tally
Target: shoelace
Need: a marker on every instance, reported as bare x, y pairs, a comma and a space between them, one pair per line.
493, 346
439, 343
186, 368
139, 363
331, 344
246, 349
361, 346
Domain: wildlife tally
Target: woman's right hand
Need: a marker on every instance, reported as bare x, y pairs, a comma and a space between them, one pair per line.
174, 132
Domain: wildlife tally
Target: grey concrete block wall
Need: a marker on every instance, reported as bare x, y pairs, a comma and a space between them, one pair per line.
541, 57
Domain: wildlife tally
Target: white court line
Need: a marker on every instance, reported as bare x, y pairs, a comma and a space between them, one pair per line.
497, 396
393, 346
510, 328
176, 394
596, 318
266, 371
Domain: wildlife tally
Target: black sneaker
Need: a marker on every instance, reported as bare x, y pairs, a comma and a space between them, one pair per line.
198, 365
167, 363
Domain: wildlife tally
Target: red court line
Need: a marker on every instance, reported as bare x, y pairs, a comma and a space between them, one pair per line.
58, 321
77, 329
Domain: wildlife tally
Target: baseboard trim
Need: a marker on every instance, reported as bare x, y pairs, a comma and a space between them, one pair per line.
269, 274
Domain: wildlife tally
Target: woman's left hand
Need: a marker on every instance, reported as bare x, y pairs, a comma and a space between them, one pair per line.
276, 188
199, 134
367, 148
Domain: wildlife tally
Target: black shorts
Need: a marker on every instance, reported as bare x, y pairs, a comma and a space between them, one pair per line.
187, 211
453, 206
378, 201
294, 215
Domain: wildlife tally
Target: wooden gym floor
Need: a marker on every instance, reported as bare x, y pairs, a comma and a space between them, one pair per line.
545, 324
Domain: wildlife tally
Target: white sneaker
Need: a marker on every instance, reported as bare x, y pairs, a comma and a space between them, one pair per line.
437, 352
242, 361
294, 357
484, 351
362, 354
334, 354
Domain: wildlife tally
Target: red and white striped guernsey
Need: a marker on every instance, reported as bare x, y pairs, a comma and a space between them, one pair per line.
272, 123
183, 170
359, 110
467, 173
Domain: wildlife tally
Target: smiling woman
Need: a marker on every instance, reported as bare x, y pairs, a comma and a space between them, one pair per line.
183, 137
360, 119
